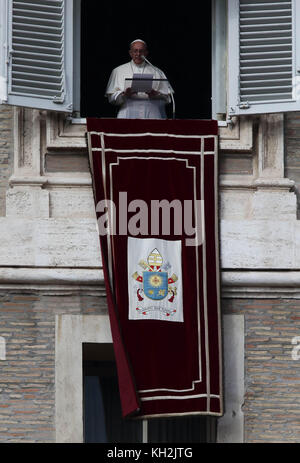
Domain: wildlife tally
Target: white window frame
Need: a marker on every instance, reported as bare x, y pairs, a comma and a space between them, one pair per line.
219, 59
5, 62
234, 107
225, 64
3, 50
71, 331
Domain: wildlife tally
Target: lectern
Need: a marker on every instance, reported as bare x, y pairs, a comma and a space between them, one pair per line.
142, 84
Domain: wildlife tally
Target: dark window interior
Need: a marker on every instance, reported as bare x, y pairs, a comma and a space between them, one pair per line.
103, 421
102, 408
179, 41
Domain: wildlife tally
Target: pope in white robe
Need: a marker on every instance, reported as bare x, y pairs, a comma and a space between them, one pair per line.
150, 105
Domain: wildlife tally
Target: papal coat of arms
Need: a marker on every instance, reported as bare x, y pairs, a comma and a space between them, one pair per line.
156, 287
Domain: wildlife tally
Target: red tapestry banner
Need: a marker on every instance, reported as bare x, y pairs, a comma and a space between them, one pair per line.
155, 187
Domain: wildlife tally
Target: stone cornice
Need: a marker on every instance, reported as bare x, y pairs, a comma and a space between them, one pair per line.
234, 284
261, 284
237, 136
58, 280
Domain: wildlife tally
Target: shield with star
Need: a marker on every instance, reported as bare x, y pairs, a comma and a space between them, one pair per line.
155, 285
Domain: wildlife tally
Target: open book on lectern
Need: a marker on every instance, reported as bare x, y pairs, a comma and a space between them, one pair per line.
141, 83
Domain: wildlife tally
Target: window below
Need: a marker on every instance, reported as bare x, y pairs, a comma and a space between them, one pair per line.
103, 421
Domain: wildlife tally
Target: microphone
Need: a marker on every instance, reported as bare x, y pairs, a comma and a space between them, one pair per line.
147, 61
168, 83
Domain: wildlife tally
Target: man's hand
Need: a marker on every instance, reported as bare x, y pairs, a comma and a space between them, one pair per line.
153, 94
128, 92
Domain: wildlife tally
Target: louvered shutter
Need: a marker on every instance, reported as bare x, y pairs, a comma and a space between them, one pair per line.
263, 74
39, 57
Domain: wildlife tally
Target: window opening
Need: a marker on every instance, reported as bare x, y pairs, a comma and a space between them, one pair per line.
179, 44
103, 421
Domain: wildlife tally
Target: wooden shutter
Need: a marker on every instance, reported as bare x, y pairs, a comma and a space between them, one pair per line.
262, 67
40, 54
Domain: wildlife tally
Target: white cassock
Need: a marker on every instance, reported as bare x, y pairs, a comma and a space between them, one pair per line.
138, 106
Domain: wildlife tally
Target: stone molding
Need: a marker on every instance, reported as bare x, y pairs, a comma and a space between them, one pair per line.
265, 195
35, 133
234, 284
52, 279
267, 149
62, 134
261, 284
231, 425
247, 182
238, 135
71, 331
27, 142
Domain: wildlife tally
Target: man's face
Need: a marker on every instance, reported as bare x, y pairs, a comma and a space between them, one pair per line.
137, 50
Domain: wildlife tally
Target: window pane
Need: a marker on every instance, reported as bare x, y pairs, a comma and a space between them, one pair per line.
94, 423
103, 419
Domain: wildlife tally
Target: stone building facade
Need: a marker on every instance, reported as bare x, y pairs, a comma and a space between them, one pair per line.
52, 294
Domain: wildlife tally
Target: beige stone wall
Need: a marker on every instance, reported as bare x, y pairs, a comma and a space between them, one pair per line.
292, 152
50, 245
6, 149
